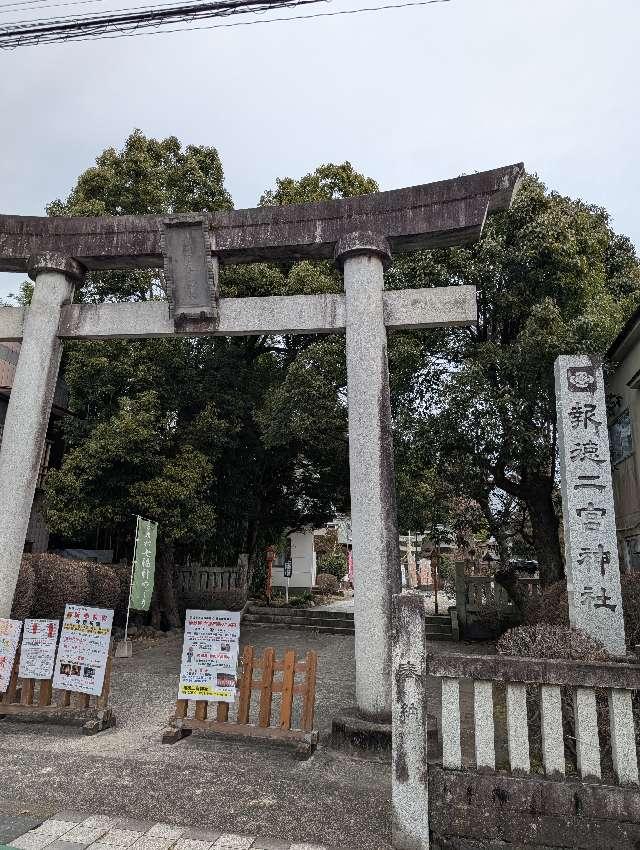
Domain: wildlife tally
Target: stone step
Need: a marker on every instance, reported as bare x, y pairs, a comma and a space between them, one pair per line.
438, 636
297, 612
302, 624
438, 618
438, 628
306, 627
297, 618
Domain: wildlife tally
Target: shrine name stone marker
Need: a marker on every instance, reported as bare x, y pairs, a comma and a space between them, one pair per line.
359, 233
591, 549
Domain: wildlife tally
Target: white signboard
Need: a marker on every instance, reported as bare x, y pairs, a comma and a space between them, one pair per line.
38, 651
83, 650
9, 640
210, 656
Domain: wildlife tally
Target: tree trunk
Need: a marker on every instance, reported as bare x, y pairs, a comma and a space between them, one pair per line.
546, 540
164, 604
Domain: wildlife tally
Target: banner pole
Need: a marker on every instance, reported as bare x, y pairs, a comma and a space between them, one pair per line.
133, 565
123, 647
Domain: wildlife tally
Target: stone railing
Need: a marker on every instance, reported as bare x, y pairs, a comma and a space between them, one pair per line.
478, 598
510, 690
196, 579
213, 586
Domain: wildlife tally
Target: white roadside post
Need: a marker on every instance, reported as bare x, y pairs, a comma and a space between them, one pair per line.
25, 427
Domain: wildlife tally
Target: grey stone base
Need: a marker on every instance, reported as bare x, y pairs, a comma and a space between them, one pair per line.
353, 734
484, 811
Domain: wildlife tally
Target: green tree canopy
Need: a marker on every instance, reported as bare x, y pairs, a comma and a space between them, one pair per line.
552, 277
227, 442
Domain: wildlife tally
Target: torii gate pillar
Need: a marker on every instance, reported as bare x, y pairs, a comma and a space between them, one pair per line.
376, 553
28, 413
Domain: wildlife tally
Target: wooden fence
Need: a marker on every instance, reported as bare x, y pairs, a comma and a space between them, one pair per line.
276, 678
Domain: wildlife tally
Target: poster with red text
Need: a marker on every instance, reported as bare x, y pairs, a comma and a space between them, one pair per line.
9, 640
38, 652
83, 650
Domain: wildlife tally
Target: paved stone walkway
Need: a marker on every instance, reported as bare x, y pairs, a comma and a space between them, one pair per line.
73, 831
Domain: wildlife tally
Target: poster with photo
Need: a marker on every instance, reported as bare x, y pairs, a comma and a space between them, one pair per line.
210, 656
38, 652
83, 649
9, 640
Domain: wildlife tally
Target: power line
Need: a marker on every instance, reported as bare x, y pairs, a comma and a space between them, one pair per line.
274, 20
126, 20
152, 22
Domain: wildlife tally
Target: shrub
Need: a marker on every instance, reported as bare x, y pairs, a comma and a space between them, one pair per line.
327, 583
631, 605
104, 586
552, 607
58, 581
548, 641
545, 640
25, 589
334, 564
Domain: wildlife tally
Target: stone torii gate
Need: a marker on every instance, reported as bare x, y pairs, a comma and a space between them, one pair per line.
359, 233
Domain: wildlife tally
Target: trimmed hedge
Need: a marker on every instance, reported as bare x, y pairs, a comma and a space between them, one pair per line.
552, 607
47, 582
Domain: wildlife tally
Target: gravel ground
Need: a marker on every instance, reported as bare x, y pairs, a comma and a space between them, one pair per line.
251, 789
330, 799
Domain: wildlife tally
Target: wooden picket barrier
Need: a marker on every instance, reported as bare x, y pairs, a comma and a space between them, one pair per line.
303, 739
35, 699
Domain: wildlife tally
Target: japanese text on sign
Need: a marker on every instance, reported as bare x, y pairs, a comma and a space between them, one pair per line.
83, 650
38, 651
210, 656
144, 563
9, 640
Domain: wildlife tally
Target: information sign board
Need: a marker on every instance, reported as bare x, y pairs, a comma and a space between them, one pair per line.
9, 640
210, 656
83, 650
38, 651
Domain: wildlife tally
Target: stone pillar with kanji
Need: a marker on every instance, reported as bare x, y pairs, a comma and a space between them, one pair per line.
591, 552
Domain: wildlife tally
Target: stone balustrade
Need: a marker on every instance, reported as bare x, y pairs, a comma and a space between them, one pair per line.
504, 735
480, 598
545, 678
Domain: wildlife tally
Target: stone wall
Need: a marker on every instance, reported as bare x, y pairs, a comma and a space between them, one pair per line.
476, 811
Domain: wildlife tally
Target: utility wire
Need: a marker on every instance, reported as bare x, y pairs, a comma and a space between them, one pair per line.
155, 21
69, 28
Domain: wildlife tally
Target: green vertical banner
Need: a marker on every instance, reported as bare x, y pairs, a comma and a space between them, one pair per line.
144, 565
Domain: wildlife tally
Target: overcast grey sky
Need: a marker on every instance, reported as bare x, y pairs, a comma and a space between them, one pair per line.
408, 96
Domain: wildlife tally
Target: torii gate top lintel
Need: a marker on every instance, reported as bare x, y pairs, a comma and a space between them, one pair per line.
448, 212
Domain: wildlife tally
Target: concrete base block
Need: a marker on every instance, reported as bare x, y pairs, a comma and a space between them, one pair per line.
353, 734
124, 649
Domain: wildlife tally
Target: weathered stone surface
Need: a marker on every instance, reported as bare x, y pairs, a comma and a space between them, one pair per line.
410, 790
487, 811
593, 571
432, 215
11, 323
551, 728
623, 739
190, 271
376, 554
503, 668
26, 423
416, 309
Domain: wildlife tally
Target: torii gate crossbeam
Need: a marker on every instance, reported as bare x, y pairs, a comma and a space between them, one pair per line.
360, 233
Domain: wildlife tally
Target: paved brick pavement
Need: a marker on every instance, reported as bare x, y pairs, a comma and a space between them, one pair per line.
74, 831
